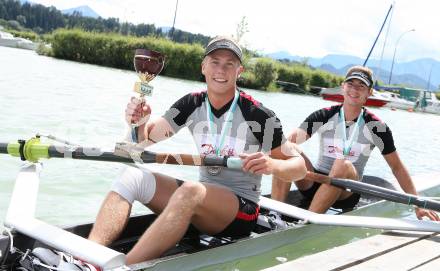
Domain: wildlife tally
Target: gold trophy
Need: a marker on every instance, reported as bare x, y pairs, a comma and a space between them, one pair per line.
148, 64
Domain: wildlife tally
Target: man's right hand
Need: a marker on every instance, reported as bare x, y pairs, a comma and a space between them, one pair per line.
138, 111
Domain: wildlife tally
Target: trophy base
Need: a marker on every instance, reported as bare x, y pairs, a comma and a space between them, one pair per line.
143, 88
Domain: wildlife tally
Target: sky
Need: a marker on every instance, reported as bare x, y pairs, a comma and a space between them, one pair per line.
307, 28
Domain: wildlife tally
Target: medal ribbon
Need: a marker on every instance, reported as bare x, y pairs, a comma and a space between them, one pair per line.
219, 141
348, 143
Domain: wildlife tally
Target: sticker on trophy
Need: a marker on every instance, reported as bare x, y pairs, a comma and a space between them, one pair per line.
148, 64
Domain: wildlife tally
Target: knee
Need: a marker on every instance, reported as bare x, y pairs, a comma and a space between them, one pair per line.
347, 165
191, 192
135, 184
343, 168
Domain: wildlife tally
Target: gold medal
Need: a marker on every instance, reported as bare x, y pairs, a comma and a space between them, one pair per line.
214, 171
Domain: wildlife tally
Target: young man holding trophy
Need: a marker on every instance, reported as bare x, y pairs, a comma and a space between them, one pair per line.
224, 202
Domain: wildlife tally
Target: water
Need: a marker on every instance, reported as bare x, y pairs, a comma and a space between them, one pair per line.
85, 104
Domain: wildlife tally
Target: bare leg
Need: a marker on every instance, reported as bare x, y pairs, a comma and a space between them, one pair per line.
111, 220
328, 194
168, 228
115, 211
280, 189
210, 208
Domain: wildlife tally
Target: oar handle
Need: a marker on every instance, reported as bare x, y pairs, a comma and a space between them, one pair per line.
198, 160
425, 203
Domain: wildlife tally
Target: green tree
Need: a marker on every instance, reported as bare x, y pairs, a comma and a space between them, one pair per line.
265, 72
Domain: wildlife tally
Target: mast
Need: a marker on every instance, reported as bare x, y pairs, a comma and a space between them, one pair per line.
380, 31
429, 78
383, 47
174, 21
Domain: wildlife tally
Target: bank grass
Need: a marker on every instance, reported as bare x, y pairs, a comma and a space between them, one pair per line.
113, 50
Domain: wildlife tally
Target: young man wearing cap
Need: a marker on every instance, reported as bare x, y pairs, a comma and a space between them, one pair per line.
348, 134
223, 121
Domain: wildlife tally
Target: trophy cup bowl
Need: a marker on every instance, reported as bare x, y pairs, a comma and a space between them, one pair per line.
148, 64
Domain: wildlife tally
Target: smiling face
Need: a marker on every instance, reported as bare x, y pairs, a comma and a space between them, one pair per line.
355, 92
221, 69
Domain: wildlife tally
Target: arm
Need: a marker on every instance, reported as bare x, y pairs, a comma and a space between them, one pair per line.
149, 131
155, 131
400, 172
287, 162
284, 163
402, 175
289, 165
298, 136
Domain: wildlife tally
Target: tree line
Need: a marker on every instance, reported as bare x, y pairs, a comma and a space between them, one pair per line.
110, 43
42, 20
182, 60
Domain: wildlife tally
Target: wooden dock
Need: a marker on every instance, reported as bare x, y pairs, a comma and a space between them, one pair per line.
394, 250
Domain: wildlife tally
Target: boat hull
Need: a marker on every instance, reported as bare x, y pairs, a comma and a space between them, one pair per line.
192, 254
198, 251
340, 99
263, 250
400, 105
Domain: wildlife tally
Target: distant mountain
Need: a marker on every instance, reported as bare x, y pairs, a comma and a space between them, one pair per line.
284, 55
413, 73
86, 11
337, 61
330, 68
409, 80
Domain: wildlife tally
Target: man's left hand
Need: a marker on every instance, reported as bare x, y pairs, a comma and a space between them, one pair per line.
432, 215
257, 163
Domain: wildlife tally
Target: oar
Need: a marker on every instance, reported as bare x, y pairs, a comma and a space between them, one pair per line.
372, 190
349, 220
33, 150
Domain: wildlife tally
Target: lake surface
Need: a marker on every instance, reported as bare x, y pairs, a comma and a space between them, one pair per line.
85, 104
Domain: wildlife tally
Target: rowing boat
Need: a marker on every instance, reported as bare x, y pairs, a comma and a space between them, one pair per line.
195, 250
